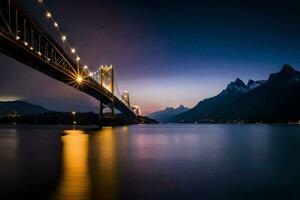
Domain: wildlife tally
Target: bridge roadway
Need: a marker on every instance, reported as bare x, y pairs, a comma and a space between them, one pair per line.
65, 72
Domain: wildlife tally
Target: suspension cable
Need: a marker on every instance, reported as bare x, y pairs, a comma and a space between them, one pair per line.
63, 36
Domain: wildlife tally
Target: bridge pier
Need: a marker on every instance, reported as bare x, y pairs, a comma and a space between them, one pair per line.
107, 115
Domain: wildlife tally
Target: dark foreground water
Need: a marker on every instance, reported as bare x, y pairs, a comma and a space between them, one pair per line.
151, 162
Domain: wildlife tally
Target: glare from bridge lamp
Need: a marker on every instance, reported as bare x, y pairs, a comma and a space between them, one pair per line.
73, 50
91, 74
56, 24
73, 113
85, 66
77, 58
40, 1
17, 37
79, 79
63, 38
26, 43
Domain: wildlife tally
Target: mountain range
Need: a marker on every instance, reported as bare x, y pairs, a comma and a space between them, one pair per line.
274, 100
166, 114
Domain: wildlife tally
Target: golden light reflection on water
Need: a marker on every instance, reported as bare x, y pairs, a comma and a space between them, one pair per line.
90, 164
105, 155
75, 180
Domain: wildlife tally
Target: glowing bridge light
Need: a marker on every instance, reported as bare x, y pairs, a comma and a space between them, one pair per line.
40, 1
48, 15
79, 79
17, 37
63, 38
73, 50
85, 67
26, 43
56, 24
77, 58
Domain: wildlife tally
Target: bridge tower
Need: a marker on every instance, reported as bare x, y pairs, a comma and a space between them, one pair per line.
137, 110
125, 98
106, 80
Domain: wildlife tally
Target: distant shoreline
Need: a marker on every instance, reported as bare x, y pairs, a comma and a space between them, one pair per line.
96, 125
64, 118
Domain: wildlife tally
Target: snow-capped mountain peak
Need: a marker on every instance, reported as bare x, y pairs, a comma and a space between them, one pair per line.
238, 86
254, 84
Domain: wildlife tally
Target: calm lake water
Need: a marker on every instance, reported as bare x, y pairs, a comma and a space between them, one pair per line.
151, 162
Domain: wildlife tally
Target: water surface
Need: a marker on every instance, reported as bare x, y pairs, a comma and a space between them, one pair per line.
151, 162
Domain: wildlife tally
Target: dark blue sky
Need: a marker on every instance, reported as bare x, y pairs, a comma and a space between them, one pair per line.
166, 53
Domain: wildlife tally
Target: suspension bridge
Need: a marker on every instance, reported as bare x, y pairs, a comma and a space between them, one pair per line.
23, 38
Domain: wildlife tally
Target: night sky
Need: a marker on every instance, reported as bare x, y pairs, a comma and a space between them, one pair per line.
166, 53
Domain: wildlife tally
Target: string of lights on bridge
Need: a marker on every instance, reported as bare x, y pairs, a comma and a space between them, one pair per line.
73, 51
64, 39
63, 36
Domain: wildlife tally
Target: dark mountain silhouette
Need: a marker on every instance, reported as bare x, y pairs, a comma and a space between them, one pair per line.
274, 100
166, 114
20, 108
